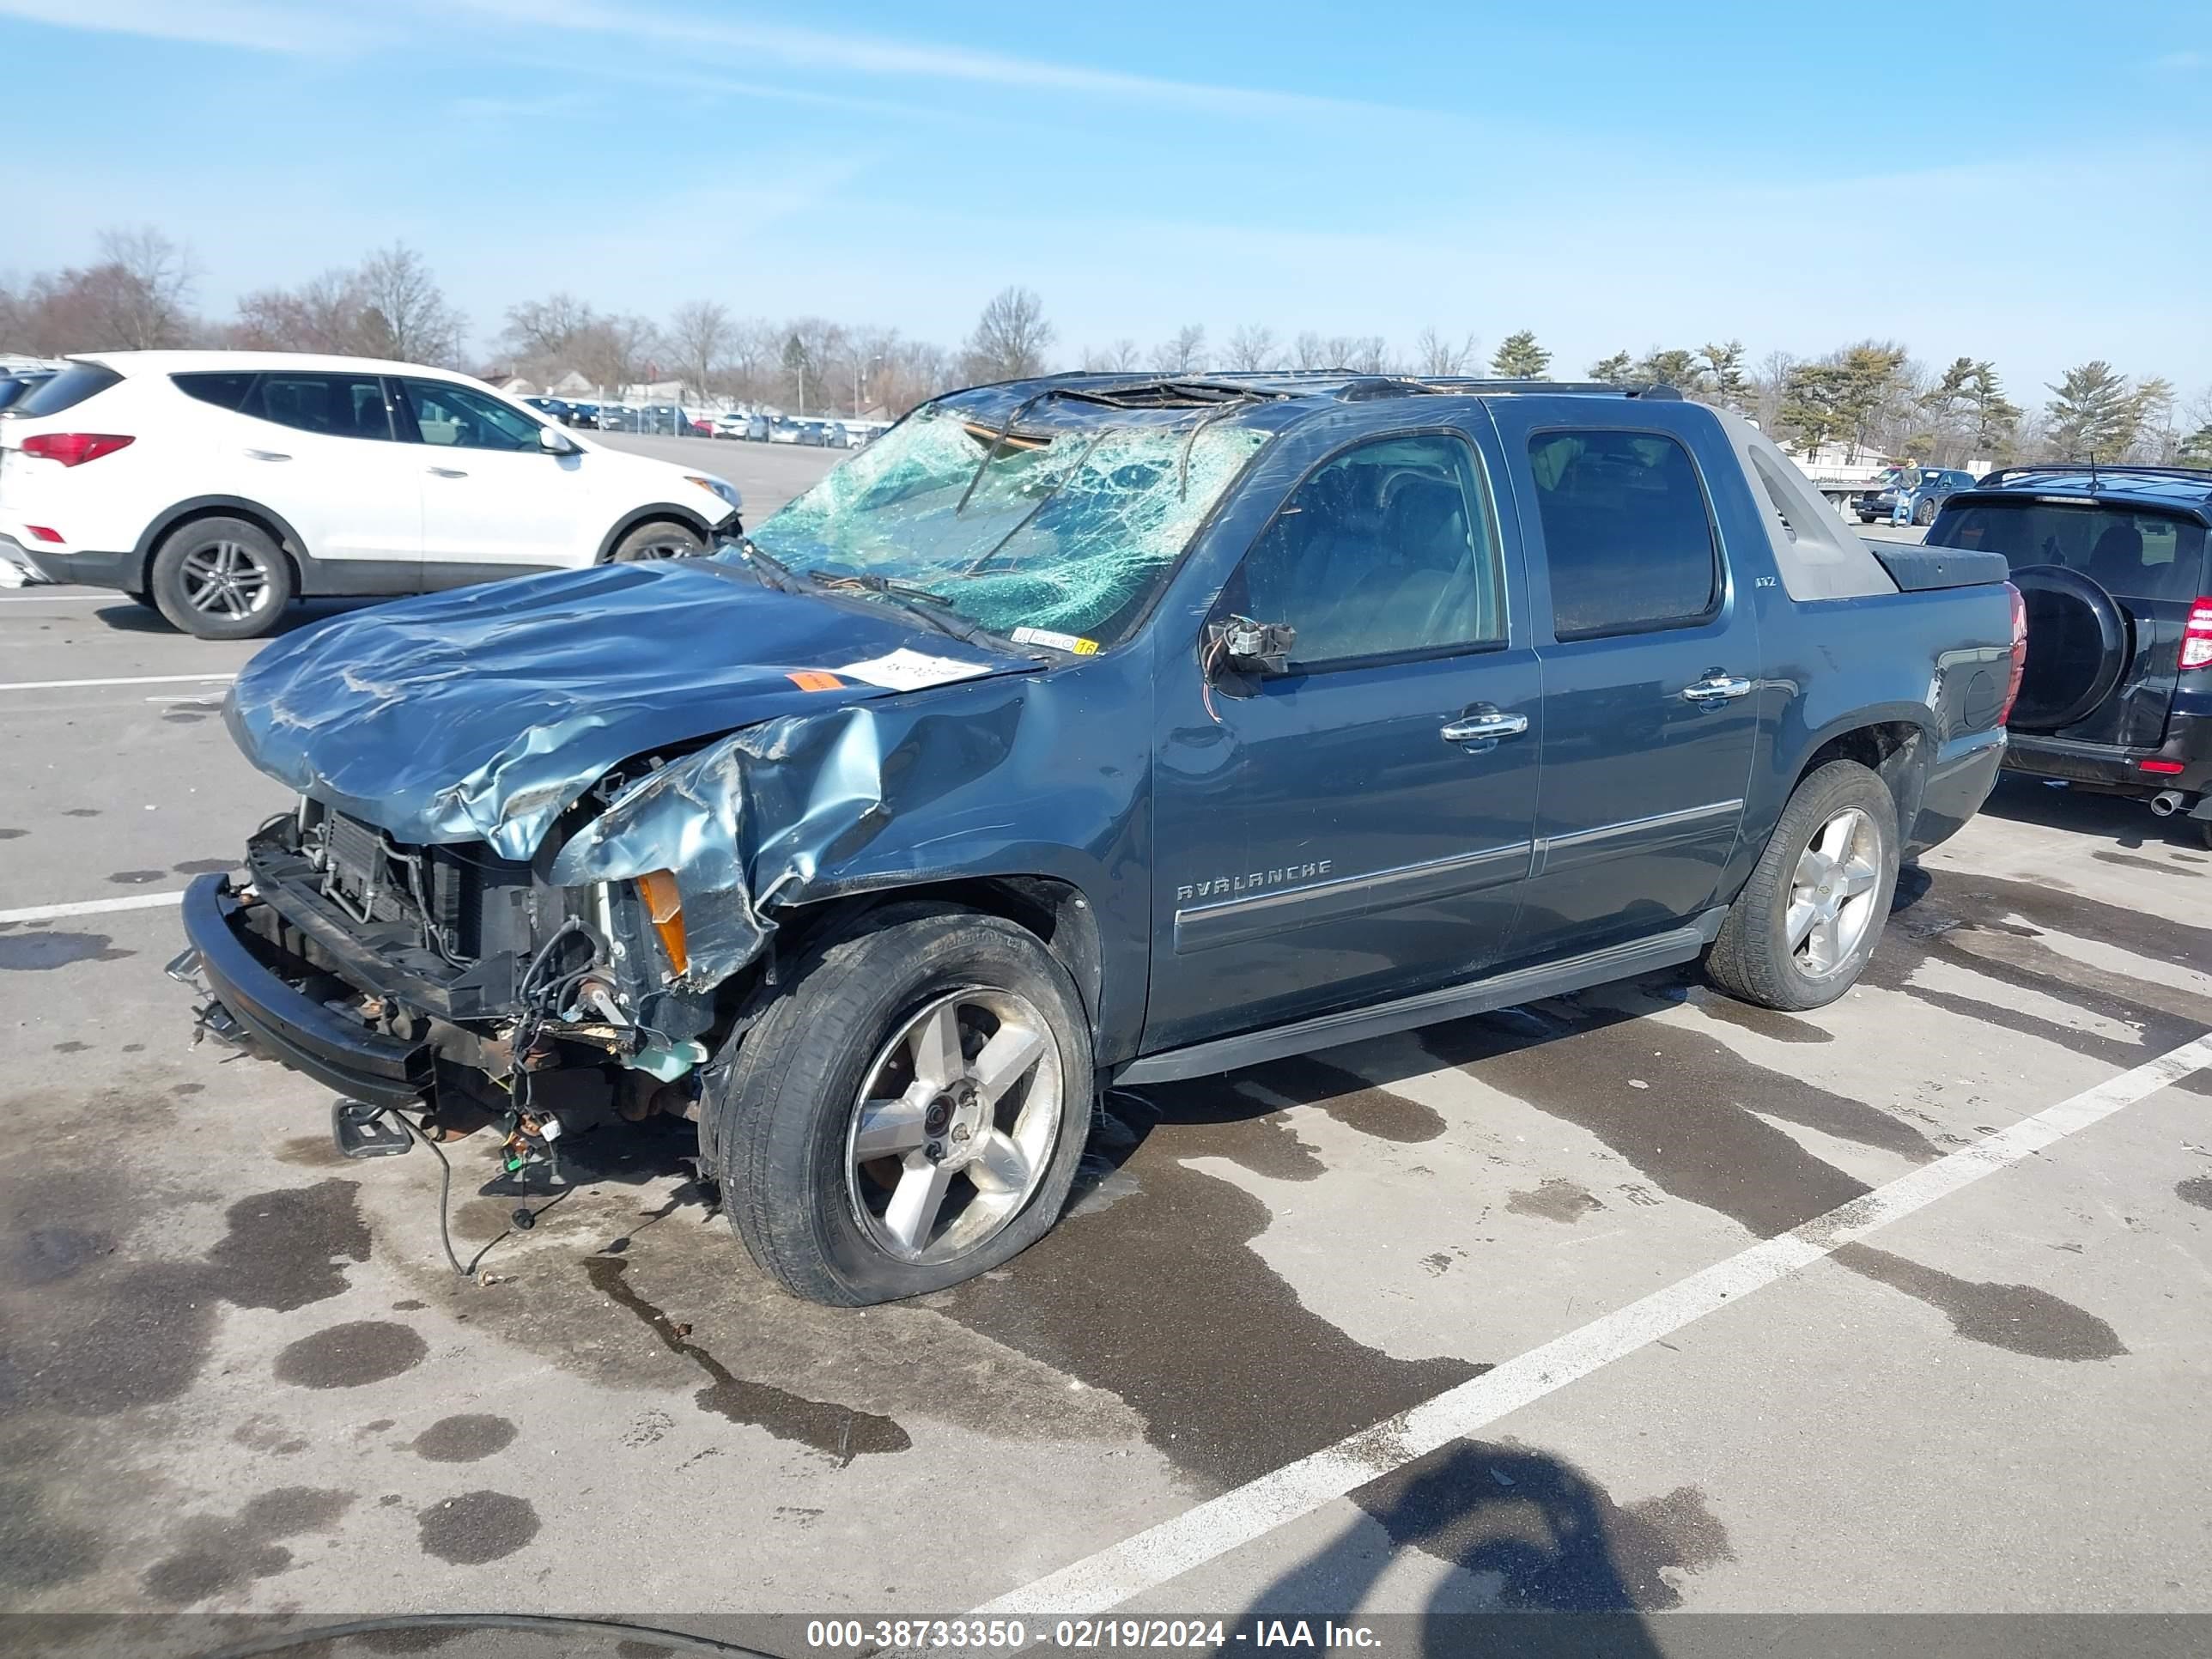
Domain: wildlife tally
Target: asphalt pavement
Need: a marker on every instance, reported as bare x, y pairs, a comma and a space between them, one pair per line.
1637, 1301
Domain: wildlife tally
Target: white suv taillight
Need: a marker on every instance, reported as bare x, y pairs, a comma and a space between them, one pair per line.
75, 448
2196, 635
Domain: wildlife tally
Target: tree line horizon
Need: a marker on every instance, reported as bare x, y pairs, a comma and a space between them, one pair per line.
1868, 398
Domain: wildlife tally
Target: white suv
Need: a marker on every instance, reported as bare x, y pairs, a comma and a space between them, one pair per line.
218, 485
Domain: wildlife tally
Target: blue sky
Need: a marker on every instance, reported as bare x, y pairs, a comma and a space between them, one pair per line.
2020, 182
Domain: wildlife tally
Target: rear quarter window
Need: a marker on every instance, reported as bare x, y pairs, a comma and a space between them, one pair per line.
2133, 555
67, 390
225, 390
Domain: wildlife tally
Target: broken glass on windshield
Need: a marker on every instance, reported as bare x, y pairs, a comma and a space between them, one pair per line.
1067, 532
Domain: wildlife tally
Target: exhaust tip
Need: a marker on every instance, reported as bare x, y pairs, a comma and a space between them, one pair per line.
2167, 803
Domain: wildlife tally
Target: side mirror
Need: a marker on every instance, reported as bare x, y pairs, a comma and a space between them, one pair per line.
1244, 647
553, 441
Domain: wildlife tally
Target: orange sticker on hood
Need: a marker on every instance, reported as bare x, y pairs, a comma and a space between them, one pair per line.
814, 679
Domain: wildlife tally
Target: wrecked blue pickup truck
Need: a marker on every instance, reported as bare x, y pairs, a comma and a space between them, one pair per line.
1082, 730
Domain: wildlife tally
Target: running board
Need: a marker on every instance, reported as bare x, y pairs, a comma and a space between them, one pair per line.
1478, 996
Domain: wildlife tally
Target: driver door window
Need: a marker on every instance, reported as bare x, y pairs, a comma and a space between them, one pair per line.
455, 417
1387, 551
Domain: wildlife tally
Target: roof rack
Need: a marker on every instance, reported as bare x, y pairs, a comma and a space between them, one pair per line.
1391, 386
2187, 474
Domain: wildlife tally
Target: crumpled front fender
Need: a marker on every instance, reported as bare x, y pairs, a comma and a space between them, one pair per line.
807, 806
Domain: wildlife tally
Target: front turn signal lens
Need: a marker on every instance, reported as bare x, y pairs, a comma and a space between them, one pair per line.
664, 906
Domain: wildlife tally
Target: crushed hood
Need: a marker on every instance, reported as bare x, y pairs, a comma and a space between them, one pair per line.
484, 713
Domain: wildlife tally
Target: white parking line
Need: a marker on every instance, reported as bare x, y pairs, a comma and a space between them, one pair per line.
134, 679
1238, 1517
91, 907
58, 598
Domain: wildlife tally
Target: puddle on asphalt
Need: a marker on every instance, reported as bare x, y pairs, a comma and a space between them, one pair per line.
838, 1430
2018, 1317
1160, 1299
37, 952
477, 1527
1555, 1201
351, 1355
210, 1555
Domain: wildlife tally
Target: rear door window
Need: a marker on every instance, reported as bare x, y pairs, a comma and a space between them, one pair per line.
2154, 557
335, 405
66, 390
1628, 536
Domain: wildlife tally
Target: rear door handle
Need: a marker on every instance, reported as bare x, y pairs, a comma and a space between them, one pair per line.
445, 472
1484, 725
265, 455
1717, 687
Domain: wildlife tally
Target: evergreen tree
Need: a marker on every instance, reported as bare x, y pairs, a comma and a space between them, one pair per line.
2094, 413
1519, 357
1616, 370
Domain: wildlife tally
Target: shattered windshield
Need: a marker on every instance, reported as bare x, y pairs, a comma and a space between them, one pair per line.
1067, 534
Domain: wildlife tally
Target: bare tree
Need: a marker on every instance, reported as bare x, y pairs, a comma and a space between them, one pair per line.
549, 332
323, 314
699, 334
142, 289
405, 311
1009, 338
613, 352
1253, 347
1185, 354
1310, 350
1433, 355
1118, 358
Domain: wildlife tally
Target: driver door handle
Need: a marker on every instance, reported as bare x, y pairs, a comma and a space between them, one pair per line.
1717, 687
1485, 724
265, 455
445, 472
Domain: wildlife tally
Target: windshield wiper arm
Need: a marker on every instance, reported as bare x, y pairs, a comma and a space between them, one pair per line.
933, 608
772, 571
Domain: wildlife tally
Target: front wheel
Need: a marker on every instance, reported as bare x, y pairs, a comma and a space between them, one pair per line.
662, 539
1801, 932
910, 1113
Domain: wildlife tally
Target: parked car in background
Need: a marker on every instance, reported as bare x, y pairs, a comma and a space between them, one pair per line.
1923, 489
730, 423
1295, 711
757, 430
584, 414
2112, 563
783, 430
553, 409
218, 485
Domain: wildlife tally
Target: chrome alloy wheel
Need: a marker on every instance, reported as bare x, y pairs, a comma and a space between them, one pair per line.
225, 579
955, 1126
1833, 892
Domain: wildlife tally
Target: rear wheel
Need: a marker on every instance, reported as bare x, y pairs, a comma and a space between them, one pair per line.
1923, 513
663, 538
1800, 933
222, 579
908, 1115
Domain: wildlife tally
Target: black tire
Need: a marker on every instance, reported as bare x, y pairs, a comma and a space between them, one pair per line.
662, 538
779, 1111
1923, 513
1753, 959
1866, 518
187, 586
2203, 830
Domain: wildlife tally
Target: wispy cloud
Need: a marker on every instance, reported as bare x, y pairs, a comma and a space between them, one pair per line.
2181, 62
879, 56
247, 23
